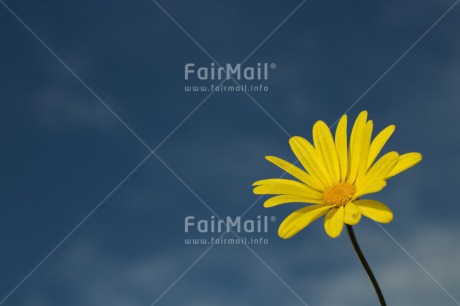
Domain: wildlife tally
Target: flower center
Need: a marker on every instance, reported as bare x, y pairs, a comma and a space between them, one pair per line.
339, 194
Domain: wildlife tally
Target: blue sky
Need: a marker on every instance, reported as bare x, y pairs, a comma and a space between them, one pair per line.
64, 152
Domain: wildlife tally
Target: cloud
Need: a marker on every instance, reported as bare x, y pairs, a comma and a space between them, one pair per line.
63, 109
323, 273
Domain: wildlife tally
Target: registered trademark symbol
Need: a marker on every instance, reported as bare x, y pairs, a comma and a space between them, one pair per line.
272, 65
273, 218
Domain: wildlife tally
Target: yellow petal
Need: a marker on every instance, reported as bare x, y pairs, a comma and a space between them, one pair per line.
379, 170
325, 146
299, 219
365, 144
333, 222
355, 146
378, 143
283, 186
405, 162
373, 187
375, 210
341, 146
352, 214
283, 199
294, 171
309, 158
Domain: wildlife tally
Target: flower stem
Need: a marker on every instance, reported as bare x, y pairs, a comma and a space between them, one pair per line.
360, 254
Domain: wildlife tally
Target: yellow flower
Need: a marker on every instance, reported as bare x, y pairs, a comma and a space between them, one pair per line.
338, 173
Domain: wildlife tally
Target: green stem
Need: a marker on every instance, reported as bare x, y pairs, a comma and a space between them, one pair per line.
358, 251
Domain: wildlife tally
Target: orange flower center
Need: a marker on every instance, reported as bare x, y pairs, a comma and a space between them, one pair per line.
339, 194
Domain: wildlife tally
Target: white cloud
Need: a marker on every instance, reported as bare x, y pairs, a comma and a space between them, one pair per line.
326, 274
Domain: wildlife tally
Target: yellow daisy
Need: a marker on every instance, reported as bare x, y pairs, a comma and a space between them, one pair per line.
337, 174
